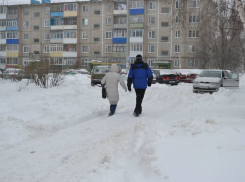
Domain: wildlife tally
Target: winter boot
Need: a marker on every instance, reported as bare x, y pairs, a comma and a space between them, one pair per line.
136, 114
112, 109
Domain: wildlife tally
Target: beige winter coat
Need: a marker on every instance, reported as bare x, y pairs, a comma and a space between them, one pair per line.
111, 80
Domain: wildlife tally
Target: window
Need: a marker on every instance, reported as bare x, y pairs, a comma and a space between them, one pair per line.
2, 60
3, 23
136, 33
108, 21
56, 48
177, 33
85, 49
3, 10
165, 10
193, 33
56, 35
26, 62
176, 48
136, 4
108, 48
25, 24
70, 7
97, 12
36, 40
178, 4
192, 48
2, 47
12, 60
194, 18
177, 19
84, 35
96, 25
152, 5
70, 21
176, 63
12, 35
164, 53
96, 39
136, 19
194, 4
36, 52
56, 22
26, 11
108, 35
46, 23
84, 62
119, 33
46, 49
35, 27
150, 62
119, 47
192, 63
47, 10
12, 47
151, 49
70, 47
164, 39
56, 61
25, 49
121, 20
151, 34
84, 22
85, 8
26, 36
2, 35
46, 36
151, 20
136, 47
165, 24
36, 14
70, 34
96, 52
12, 23
69, 61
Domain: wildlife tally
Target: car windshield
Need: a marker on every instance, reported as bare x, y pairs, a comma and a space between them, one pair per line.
216, 74
99, 70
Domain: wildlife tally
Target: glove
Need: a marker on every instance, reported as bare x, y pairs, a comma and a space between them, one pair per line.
129, 88
149, 84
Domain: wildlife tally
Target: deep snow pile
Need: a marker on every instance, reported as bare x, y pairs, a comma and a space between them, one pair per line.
64, 134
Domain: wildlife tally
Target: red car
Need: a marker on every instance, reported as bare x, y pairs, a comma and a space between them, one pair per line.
188, 75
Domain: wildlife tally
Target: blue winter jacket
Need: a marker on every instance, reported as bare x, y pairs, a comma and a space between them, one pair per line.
140, 75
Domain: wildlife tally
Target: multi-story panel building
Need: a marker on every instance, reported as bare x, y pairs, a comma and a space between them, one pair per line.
72, 34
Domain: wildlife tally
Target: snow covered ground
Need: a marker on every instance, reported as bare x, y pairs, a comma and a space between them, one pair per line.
64, 134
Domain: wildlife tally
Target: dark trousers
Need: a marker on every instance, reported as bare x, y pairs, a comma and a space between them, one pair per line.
139, 98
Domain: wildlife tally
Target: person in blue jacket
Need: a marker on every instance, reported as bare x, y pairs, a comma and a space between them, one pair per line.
140, 75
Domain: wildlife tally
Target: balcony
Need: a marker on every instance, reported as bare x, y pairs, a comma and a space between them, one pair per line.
12, 53
3, 28
3, 53
3, 16
70, 14
135, 53
56, 54
120, 12
69, 40
67, 27
59, 41
12, 16
139, 11
119, 54
136, 39
120, 26
12, 28
56, 27
2, 41
56, 14
69, 54
12, 41
137, 25
119, 40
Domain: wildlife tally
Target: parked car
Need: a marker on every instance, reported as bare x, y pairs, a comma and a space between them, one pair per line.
188, 75
166, 76
211, 80
15, 74
97, 73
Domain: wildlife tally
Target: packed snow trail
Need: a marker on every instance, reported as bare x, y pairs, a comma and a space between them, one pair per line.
65, 134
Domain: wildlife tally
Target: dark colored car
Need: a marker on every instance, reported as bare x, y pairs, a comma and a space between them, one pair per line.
166, 76
15, 74
97, 73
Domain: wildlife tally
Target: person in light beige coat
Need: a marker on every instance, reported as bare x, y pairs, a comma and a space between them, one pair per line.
110, 81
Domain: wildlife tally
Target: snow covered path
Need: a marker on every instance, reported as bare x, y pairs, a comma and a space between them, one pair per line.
64, 134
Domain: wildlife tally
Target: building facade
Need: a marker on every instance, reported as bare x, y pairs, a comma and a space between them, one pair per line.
72, 34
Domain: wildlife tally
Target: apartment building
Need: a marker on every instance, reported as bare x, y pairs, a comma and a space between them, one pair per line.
72, 34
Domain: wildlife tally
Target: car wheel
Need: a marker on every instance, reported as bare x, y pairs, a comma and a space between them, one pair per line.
195, 91
221, 85
92, 84
211, 92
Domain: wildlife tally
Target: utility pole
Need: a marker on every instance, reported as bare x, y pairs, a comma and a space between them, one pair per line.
128, 37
